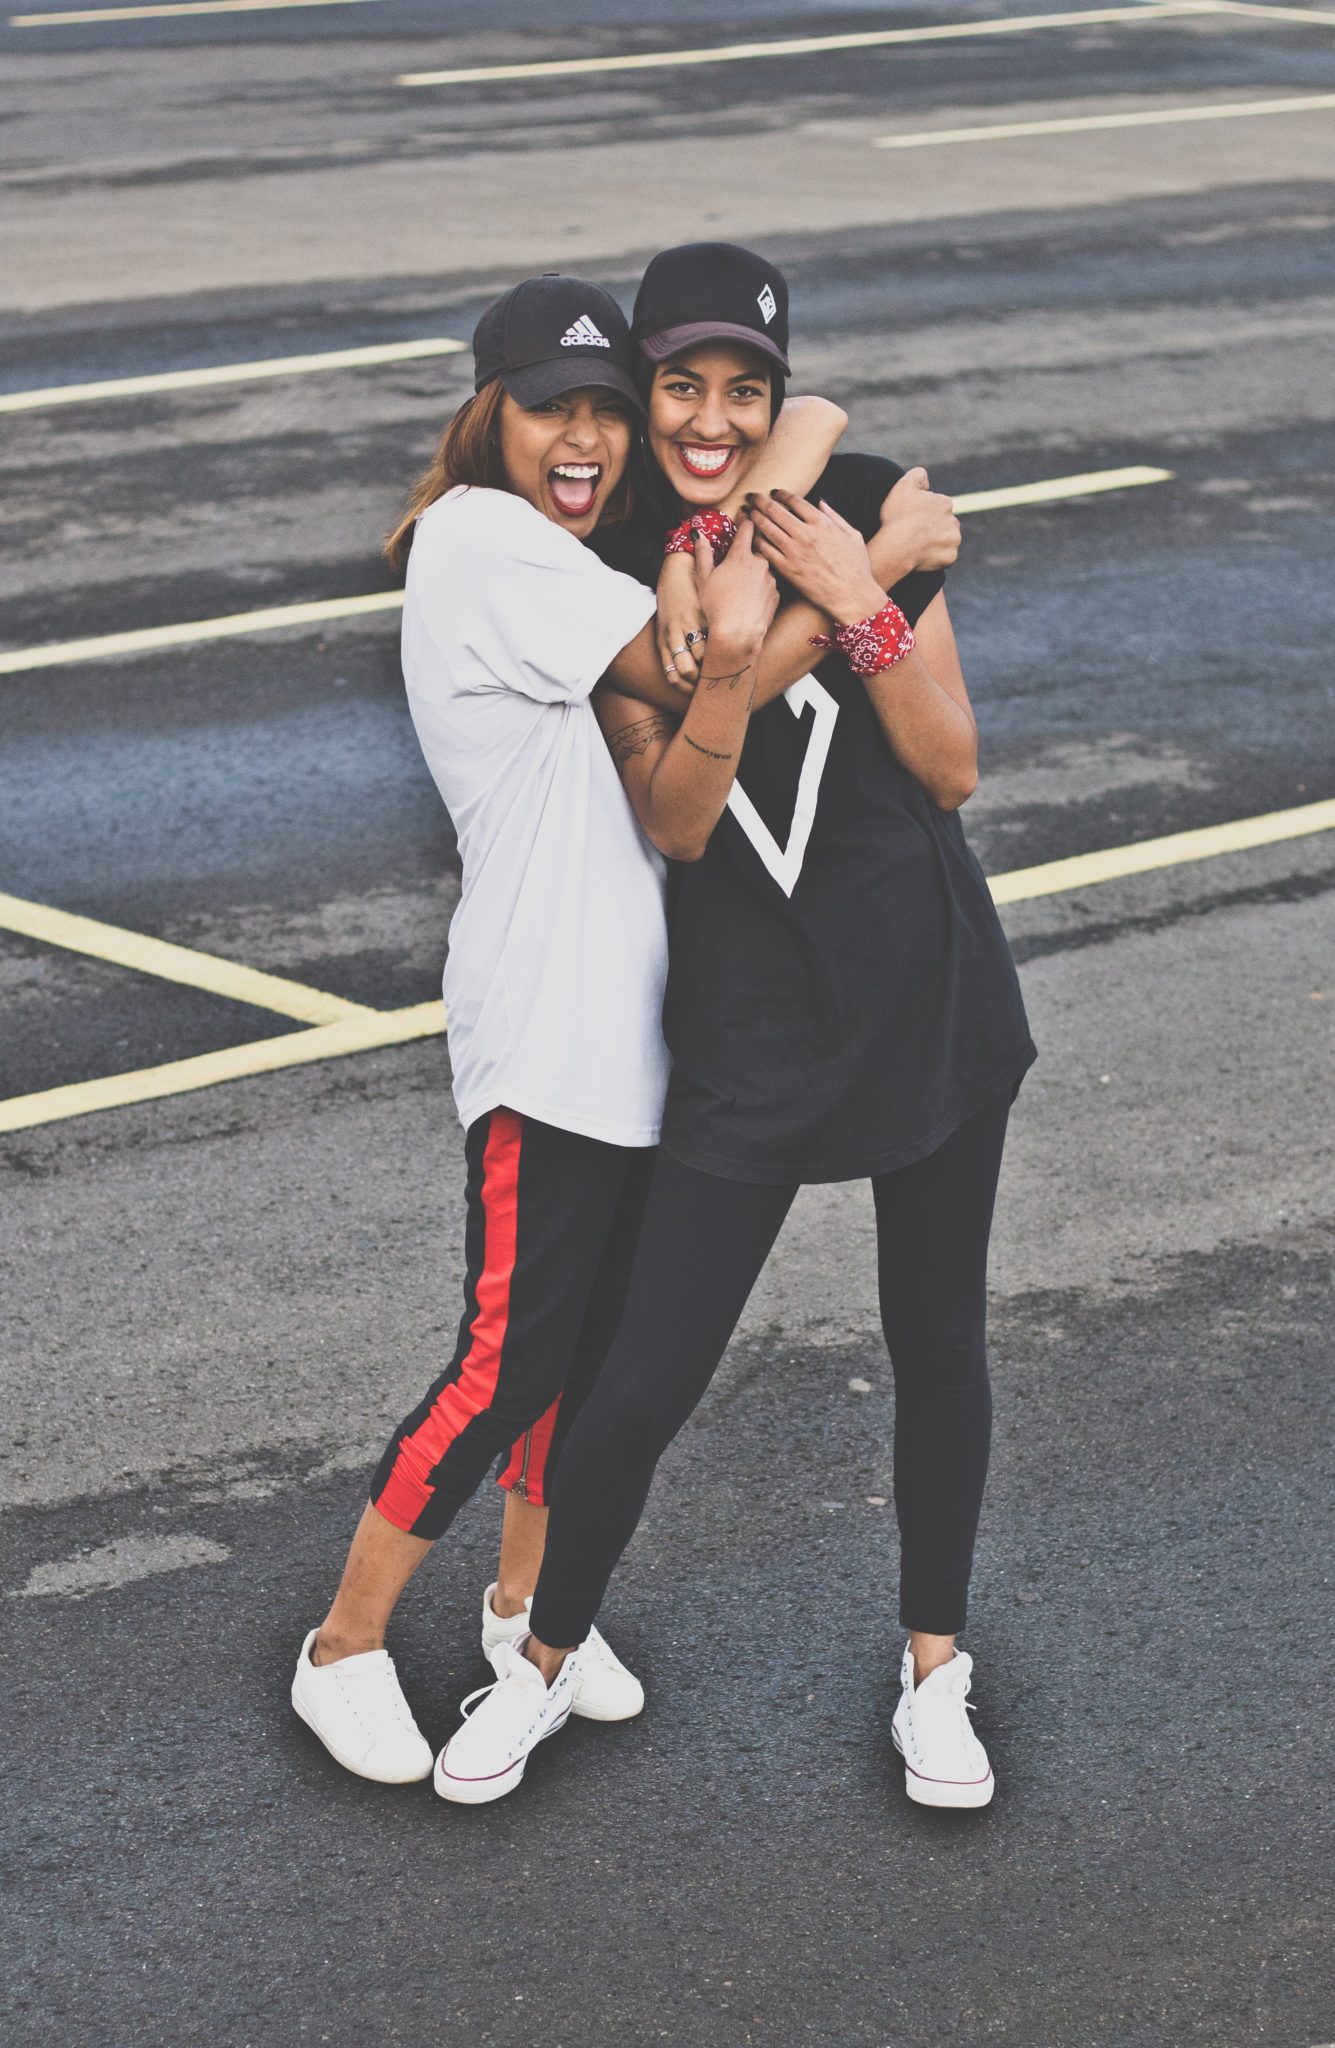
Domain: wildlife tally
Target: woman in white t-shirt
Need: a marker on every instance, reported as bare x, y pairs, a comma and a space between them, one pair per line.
557, 960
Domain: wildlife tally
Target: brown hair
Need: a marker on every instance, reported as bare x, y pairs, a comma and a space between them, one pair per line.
468, 452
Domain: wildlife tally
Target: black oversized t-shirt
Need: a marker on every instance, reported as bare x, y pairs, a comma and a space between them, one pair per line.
840, 993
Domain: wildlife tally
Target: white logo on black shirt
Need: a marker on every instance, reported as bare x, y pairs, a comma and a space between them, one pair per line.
785, 862
768, 304
584, 335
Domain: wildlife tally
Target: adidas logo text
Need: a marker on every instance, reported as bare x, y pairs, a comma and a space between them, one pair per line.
584, 335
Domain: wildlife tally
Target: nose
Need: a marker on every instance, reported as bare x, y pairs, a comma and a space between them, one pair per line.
710, 419
581, 431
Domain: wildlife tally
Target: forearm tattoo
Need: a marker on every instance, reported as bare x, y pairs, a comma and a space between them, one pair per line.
638, 737
729, 680
708, 752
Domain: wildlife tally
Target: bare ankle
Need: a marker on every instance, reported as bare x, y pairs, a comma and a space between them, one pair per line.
331, 1645
548, 1661
929, 1654
508, 1601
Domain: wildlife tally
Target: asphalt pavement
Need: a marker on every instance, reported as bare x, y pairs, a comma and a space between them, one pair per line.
217, 1303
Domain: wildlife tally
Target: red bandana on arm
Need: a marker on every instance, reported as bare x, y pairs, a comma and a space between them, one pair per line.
716, 527
870, 646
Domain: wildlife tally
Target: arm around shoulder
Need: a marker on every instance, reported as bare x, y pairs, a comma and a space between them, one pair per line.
804, 437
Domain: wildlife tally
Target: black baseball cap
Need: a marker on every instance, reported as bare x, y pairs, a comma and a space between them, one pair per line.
711, 291
553, 334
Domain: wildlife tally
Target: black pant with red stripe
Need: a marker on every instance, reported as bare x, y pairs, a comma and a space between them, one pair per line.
552, 1223
703, 1244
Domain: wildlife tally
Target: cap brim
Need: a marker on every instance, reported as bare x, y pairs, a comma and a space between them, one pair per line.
536, 382
671, 340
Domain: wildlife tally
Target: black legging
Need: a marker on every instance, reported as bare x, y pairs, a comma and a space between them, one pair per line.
701, 1249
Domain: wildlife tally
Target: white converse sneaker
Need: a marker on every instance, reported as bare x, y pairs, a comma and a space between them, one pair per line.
357, 1709
485, 1758
606, 1691
944, 1762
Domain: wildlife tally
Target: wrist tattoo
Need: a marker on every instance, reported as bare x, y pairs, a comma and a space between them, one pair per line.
731, 679
708, 752
634, 739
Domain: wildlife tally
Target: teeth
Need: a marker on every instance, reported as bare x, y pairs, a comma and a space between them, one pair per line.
580, 471
707, 458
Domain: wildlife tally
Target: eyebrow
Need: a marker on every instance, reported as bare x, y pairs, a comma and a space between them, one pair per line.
680, 370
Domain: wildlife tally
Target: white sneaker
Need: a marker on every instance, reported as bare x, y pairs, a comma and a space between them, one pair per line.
357, 1709
485, 1758
944, 1762
605, 1691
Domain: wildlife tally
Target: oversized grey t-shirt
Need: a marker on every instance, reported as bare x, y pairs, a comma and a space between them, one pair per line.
558, 948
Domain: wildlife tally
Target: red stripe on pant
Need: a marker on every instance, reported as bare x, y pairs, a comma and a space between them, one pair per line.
526, 1473
408, 1489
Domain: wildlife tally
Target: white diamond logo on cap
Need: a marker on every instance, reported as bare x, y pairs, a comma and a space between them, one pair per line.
767, 304
583, 334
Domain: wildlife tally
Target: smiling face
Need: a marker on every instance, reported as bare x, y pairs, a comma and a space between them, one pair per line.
567, 455
710, 410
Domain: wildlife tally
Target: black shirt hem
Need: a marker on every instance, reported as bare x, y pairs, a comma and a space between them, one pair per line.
1005, 1079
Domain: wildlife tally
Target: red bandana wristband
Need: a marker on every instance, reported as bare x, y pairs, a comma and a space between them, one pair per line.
871, 646
716, 526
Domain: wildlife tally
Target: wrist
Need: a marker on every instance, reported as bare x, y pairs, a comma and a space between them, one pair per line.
890, 557
859, 601
877, 642
718, 529
724, 651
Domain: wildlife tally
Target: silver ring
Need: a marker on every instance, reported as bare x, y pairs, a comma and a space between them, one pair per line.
680, 650
703, 634
670, 668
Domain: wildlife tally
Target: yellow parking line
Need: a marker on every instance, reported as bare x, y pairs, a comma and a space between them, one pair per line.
181, 964
372, 1028
147, 639
732, 53
729, 54
1084, 870
363, 1033
1147, 117
804, 46
229, 373
95, 14
1055, 488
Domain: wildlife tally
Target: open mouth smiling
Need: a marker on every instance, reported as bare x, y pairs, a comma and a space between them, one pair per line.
574, 487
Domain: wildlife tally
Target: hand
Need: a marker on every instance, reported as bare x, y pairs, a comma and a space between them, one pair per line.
819, 553
922, 522
679, 614
739, 598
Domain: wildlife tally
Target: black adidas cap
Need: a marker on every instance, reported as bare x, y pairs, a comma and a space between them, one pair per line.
711, 291
553, 334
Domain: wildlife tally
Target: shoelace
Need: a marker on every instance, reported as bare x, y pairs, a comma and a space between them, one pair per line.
958, 1691
380, 1680
967, 1706
474, 1698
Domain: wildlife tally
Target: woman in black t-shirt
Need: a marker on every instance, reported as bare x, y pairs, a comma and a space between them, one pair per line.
841, 1000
